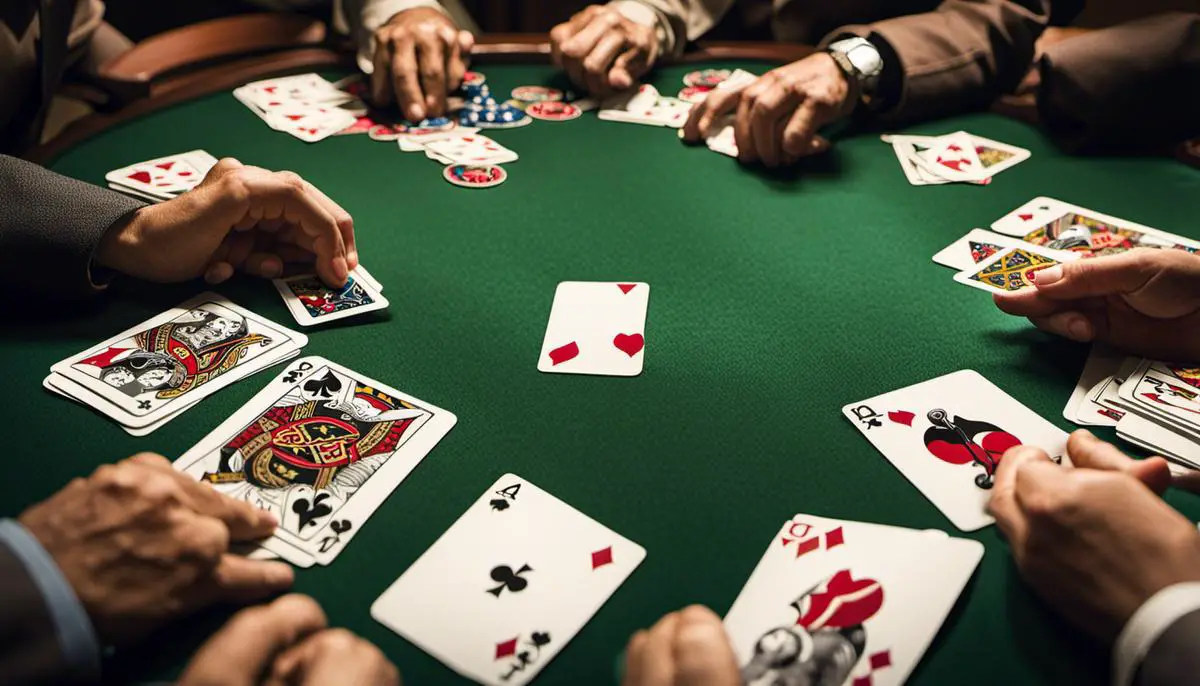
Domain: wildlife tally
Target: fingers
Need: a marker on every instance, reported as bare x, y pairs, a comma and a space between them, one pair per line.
239, 579
456, 59
1101, 276
345, 222
335, 656
243, 649
244, 521
381, 74
718, 104
1003, 505
658, 661
1088, 452
576, 49
221, 168
1029, 303
635, 658
800, 134
600, 60
628, 67
772, 101
406, 82
1073, 326
218, 272
703, 652
431, 60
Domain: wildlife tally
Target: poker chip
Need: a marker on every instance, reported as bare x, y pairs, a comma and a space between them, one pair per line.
474, 78
552, 110
475, 175
695, 94
536, 94
391, 132
502, 117
706, 77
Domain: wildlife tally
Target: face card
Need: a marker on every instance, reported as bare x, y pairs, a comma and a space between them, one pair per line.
1054, 224
947, 436
976, 247
187, 352
321, 447
1102, 362
528, 570
996, 156
1169, 393
1008, 271
311, 302
838, 602
596, 327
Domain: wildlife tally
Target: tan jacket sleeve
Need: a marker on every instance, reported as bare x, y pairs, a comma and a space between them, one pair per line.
960, 56
685, 20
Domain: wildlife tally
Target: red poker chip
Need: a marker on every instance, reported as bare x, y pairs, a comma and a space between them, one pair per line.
553, 110
473, 78
536, 93
475, 175
695, 94
706, 77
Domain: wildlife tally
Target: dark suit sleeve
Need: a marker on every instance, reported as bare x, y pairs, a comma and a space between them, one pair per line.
1136, 85
1175, 657
50, 226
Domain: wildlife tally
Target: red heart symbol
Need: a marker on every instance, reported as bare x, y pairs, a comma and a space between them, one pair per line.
165, 165
295, 117
626, 287
142, 176
629, 344
185, 173
1025, 217
901, 417
563, 353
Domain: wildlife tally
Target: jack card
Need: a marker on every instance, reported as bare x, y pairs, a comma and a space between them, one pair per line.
1058, 225
1009, 270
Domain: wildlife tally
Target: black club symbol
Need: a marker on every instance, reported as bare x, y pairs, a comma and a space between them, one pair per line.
509, 579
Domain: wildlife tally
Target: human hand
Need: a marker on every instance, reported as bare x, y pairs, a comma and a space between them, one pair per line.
142, 544
1095, 541
1145, 302
334, 656
777, 117
685, 648
238, 218
602, 50
420, 56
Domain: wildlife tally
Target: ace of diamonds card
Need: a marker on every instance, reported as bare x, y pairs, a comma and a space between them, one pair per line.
596, 327
837, 602
508, 585
947, 436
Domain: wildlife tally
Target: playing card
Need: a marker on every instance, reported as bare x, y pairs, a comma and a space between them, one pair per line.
1097, 407
165, 177
312, 302
839, 602
974, 248
306, 89
1059, 225
1009, 270
724, 140
596, 328
177, 357
953, 157
1101, 364
508, 585
1168, 393
947, 436
645, 106
995, 156
321, 447
1159, 439
906, 150
469, 150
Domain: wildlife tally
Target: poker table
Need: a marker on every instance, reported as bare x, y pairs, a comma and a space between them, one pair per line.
776, 298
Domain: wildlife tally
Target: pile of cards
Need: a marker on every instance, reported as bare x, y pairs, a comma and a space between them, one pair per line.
1154, 405
721, 138
305, 106
163, 178
148, 375
947, 435
1042, 233
468, 148
312, 302
596, 327
957, 157
321, 447
645, 105
508, 585
841, 602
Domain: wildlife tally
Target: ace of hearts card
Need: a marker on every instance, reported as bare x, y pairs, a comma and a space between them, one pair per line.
947, 435
836, 602
508, 585
596, 327
320, 448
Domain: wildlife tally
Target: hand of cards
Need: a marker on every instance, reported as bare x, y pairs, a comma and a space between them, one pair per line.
957, 157
305, 106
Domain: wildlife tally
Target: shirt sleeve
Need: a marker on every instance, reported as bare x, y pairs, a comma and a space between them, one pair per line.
1151, 621
47, 636
366, 16
682, 20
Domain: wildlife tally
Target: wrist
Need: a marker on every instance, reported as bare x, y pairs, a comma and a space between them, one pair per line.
121, 241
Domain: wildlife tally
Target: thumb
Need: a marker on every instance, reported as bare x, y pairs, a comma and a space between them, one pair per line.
1095, 277
1088, 452
240, 579
243, 649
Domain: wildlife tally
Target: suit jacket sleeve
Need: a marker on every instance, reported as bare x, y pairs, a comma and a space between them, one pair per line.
1136, 84
960, 56
686, 20
50, 226
1174, 658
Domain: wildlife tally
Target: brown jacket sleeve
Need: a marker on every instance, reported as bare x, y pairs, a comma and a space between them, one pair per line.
960, 56
1132, 86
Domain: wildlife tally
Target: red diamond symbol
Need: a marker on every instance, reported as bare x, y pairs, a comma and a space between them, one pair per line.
602, 557
807, 546
835, 538
506, 648
881, 659
862, 681
626, 287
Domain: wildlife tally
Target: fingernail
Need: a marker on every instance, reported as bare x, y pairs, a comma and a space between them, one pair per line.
1047, 276
1080, 328
415, 113
272, 269
279, 574
340, 270
267, 519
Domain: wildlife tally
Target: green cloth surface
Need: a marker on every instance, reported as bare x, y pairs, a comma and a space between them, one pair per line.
775, 300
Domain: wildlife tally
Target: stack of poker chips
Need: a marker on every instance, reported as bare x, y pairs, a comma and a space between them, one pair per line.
481, 110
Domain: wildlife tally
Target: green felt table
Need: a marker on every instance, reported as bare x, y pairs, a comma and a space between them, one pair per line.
776, 299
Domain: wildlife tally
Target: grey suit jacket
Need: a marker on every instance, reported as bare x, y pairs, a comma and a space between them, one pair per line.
1174, 659
50, 226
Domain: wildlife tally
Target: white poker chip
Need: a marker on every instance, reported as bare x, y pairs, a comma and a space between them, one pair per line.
475, 175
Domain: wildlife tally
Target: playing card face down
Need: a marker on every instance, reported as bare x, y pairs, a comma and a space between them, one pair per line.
835, 602
947, 436
1008, 271
508, 585
1058, 225
179, 356
596, 327
312, 302
320, 447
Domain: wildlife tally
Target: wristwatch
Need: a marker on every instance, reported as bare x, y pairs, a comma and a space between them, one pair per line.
860, 60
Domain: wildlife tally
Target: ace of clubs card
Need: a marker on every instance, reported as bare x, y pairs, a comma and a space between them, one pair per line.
320, 448
947, 435
836, 602
596, 327
508, 584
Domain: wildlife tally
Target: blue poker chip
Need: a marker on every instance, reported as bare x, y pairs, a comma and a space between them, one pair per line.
503, 117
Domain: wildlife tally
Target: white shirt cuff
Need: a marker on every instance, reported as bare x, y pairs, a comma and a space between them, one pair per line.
376, 13
1154, 617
